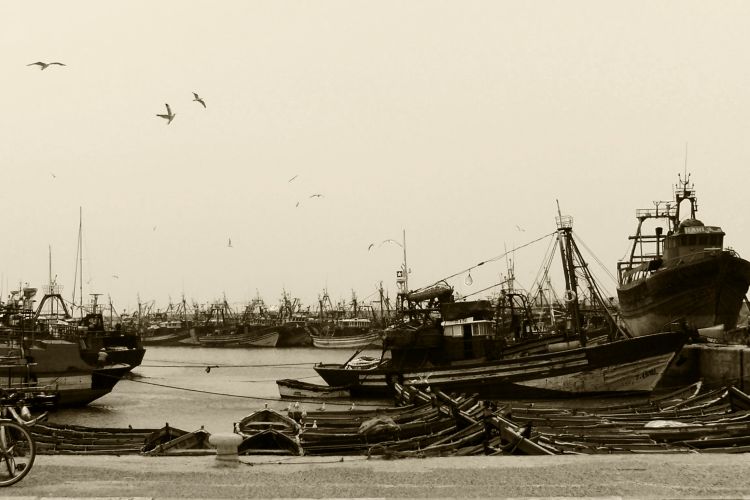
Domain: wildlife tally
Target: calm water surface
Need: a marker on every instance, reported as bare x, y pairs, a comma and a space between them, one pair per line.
172, 386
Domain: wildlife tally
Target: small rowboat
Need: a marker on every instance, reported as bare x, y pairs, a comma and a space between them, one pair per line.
294, 389
369, 340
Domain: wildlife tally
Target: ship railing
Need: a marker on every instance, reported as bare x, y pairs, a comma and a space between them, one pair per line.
659, 211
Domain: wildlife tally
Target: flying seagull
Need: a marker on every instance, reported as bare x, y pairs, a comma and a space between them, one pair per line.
230, 243
297, 205
44, 65
389, 241
115, 276
53, 175
290, 180
370, 247
169, 116
520, 228
198, 99
316, 195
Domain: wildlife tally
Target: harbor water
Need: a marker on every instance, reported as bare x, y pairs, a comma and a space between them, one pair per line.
190, 387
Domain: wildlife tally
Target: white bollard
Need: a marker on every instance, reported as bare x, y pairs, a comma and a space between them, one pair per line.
226, 449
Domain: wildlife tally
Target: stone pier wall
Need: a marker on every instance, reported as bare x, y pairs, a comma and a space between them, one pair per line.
716, 364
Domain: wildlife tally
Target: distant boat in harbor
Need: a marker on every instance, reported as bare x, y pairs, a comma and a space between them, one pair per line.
685, 276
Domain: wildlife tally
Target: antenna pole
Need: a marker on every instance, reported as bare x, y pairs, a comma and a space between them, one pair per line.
406, 269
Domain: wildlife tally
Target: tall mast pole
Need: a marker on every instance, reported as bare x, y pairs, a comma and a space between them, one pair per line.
406, 269
80, 256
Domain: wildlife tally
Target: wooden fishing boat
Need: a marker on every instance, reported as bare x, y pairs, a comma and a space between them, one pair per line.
459, 351
296, 389
171, 441
268, 431
626, 366
270, 442
367, 340
54, 439
264, 419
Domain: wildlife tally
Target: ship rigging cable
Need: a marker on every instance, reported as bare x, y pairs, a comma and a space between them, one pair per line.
493, 259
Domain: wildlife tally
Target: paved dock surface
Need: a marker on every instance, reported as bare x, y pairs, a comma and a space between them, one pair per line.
603, 476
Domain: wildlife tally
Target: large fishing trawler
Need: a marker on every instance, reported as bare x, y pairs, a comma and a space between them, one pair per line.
455, 348
685, 276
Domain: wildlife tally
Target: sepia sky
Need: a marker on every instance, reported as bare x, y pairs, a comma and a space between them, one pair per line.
460, 122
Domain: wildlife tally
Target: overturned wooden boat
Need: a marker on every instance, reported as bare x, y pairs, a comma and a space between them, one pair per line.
172, 441
296, 389
270, 442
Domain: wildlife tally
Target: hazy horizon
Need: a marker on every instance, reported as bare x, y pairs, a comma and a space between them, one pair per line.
462, 123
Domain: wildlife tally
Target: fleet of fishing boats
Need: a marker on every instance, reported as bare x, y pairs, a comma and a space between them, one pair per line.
676, 287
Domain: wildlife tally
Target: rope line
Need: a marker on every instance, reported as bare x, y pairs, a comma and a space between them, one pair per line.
493, 259
255, 398
195, 364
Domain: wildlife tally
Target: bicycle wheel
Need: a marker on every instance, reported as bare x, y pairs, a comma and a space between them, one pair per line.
17, 452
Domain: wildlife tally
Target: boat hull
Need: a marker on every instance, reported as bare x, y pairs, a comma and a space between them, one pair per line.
623, 367
175, 338
368, 340
294, 389
703, 290
267, 337
57, 365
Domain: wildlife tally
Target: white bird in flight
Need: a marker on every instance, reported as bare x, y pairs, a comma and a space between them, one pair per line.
290, 180
44, 65
316, 195
390, 241
230, 243
169, 116
370, 247
198, 99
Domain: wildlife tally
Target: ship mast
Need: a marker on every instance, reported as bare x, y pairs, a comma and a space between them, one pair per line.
564, 230
78, 274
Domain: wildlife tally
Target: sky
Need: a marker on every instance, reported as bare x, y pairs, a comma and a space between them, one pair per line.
459, 123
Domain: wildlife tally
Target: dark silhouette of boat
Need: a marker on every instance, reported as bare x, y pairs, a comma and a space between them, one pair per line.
683, 276
452, 346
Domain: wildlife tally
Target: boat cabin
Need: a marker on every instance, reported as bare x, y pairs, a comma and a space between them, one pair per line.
467, 328
467, 338
692, 236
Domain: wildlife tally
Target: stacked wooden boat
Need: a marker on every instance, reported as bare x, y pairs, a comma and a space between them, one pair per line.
432, 423
714, 421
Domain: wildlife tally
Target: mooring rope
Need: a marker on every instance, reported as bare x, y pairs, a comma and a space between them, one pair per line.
241, 396
192, 364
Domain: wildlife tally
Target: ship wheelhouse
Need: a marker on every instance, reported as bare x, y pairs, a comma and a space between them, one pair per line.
467, 328
693, 237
